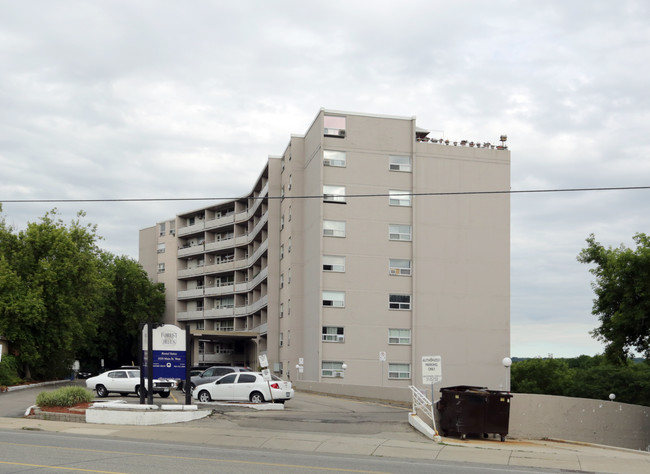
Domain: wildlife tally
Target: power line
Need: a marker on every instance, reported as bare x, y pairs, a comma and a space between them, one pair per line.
320, 196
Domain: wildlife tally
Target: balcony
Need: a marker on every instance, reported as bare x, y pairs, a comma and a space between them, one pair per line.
220, 221
191, 229
193, 293
223, 289
189, 315
188, 250
219, 312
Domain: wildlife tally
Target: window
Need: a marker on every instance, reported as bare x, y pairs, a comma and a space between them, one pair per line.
334, 194
289, 307
200, 325
282, 280
199, 305
281, 251
399, 198
333, 263
282, 310
399, 336
399, 163
161, 247
289, 245
281, 339
398, 266
399, 302
334, 158
333, 334
282, 192
225, 325
224, 302
332, 369
334, 298
162, 229
282, 222
161, 268
247, 378
334, 228
191, 221
399, 232
334, 126
399, 371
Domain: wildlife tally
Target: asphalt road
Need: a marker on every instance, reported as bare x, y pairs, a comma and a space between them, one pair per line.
60, 452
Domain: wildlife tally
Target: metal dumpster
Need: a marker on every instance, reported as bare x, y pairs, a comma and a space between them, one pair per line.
466, 410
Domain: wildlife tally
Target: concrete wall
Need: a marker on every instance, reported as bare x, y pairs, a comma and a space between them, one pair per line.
580, 419
538, 416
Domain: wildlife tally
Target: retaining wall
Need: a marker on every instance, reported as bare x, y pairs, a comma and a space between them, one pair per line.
537, 416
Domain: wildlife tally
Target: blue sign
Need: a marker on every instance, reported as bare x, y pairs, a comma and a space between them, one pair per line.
169, 364
169, 354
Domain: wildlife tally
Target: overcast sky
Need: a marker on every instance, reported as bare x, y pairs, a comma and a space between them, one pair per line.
123, 98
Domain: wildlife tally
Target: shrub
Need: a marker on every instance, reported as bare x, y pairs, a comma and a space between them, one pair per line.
64, 397
9, 370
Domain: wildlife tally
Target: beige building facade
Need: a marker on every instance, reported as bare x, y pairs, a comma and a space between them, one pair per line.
364, 247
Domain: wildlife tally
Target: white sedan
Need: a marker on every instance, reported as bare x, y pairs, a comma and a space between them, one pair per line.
245, 386
125, 381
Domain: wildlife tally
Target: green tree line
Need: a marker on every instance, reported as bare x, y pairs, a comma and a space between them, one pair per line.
585, 377
62, 299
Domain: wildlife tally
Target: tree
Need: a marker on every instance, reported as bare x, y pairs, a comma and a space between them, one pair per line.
50, 292
545, 376
62, 298
622, 301
130, 298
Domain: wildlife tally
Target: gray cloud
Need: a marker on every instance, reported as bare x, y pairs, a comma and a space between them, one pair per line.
163, 99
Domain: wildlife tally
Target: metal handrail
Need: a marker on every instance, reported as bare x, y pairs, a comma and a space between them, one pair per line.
421, 401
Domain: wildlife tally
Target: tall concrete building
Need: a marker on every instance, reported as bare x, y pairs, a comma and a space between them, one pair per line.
366, 246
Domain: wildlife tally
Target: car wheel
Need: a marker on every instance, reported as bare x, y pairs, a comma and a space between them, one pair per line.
101, 391
163, 394
256, 397
204, 396
141, 391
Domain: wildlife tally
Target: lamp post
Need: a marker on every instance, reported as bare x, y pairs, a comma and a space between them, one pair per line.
507, 362
612, 397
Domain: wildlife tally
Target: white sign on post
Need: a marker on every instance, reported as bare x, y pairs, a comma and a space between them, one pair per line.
264, 362
431, 369
266, 375
382, 356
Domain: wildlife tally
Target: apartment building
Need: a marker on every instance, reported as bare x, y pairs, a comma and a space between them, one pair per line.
366, 246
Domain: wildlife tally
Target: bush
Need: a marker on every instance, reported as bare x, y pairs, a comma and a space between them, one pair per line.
64, 397
9, 371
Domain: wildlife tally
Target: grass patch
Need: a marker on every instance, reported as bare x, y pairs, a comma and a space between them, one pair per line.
64, 397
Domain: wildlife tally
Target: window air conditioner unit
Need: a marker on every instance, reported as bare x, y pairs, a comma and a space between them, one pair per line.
394, 271
340, 338
394, 167
406, 271
327, 162
339, 374
341, 133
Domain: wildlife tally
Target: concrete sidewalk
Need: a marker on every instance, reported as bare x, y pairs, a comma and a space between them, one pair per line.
219, 432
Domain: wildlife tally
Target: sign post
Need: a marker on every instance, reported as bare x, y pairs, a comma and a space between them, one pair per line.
431, 371
266, 373
164, 350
